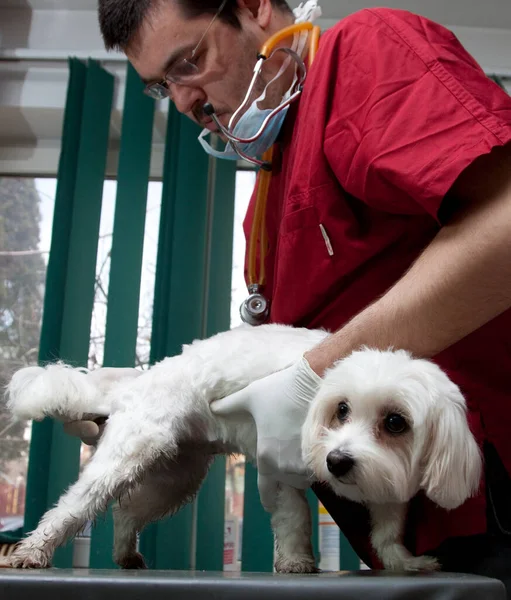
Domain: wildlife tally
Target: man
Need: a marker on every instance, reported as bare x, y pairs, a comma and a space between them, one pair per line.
388, 220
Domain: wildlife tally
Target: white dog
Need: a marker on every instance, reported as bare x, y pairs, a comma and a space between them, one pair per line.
382, 427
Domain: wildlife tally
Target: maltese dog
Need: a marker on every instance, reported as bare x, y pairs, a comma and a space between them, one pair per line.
382, 427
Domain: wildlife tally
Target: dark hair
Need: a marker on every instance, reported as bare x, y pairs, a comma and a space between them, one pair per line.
120, 20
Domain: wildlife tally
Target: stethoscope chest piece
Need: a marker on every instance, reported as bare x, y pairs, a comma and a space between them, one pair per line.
255, 309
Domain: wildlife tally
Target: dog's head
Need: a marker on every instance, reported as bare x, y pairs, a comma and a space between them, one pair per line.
384, 426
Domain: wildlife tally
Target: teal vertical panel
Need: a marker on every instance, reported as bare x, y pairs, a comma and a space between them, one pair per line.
51, 327
164, 259
126, 258
210, 519
90, 177
186, 300
314, 507
148, 544
129, 222
166, 544
178, 314
150, 538
76, 292
349, 560
79, 293
257, 542
41, 453
211, 499
221, 247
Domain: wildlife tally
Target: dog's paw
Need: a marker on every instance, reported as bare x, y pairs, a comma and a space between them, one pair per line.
412, 564
421, 563
5, 562
132, 561
296, 564
29, 558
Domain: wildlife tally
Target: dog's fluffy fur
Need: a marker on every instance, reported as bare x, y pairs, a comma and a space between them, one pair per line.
161, 436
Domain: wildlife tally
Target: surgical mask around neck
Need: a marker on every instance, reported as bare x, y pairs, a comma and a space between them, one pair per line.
248, 125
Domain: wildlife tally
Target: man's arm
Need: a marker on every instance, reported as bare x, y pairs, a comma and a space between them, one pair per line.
461, 281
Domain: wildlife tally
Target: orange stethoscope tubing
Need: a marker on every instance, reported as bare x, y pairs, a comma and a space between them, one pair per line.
258, 229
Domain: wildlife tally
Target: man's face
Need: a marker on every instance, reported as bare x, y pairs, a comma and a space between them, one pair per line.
225, 58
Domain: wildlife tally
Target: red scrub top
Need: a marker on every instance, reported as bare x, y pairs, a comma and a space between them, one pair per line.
392, 111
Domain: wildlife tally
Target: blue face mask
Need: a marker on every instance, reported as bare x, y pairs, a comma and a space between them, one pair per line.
248, 125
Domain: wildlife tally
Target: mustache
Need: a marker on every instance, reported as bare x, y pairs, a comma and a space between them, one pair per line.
198, 114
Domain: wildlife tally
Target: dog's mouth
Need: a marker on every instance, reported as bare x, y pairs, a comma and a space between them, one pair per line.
346, 480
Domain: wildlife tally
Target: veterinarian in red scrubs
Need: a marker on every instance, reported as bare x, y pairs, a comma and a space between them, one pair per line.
388, 221
393, 112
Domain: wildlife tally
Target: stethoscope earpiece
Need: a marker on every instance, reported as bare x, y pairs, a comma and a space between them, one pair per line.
208, 109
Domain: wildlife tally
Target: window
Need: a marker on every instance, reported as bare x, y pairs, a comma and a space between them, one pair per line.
26, 209
235, 467
98, 322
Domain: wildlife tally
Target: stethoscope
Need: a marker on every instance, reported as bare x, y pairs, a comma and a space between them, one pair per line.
255, 309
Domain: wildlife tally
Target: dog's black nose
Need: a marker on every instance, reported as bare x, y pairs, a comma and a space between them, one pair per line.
339, 463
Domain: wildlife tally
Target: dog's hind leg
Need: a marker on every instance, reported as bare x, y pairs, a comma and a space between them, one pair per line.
126, 528
164, 490
126, 450
292, 527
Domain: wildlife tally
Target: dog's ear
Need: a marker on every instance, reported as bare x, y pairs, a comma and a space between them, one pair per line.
453, 462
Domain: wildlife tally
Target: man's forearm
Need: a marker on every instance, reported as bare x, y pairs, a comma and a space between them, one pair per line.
460, 282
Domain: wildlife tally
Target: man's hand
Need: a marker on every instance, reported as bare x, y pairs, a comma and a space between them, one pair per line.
89, 432
460, 282
279, 404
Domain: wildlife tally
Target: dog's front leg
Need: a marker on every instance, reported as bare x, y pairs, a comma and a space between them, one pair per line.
291, 523
113, 469
388, 522
60, 523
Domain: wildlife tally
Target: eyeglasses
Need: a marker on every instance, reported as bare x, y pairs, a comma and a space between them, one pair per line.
183, 71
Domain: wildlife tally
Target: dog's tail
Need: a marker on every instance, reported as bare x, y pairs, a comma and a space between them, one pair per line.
56, 391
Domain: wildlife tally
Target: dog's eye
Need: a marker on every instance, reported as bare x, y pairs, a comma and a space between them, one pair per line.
343, 411
395, 423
